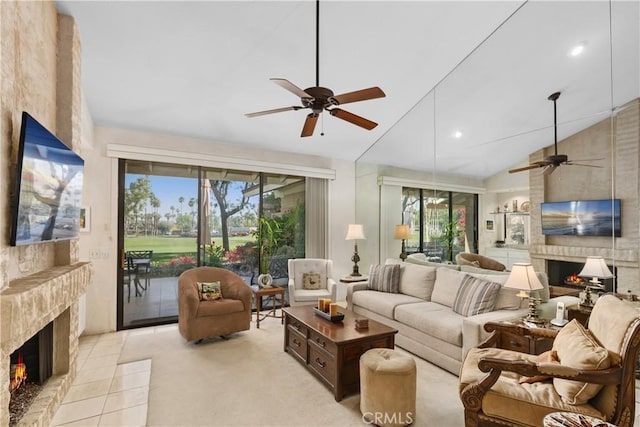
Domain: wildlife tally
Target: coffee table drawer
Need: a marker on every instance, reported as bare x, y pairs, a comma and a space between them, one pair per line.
297, 326
323, 343
298, 344
323, 364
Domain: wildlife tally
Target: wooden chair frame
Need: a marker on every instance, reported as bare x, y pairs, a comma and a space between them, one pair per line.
623, 375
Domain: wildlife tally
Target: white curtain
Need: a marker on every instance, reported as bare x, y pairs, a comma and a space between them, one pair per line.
316, 214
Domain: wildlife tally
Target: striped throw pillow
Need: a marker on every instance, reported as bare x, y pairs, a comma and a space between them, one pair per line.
475, 296
385, 278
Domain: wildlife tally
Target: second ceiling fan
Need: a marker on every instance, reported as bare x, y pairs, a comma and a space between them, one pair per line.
550, 163
319, 99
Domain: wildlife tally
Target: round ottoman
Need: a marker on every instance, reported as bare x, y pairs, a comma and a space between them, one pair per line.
387, 387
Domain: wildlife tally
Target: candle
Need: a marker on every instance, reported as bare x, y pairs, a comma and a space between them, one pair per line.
321, 304
327, 304
333, 307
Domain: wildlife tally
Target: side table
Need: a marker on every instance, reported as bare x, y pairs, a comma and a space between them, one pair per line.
517, 336
580, 313
271, 293
354, 279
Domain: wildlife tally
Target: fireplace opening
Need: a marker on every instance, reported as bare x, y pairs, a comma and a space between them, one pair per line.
31, 366
561, 272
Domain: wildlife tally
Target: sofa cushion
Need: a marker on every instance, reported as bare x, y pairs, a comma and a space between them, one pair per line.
311, 281
578, 348
384, 278
475, 296
382, 303
549, 356
446, 286
209, 291
432, 319
417, 280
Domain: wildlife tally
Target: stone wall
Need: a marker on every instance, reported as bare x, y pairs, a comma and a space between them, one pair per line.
617, 143
40, 74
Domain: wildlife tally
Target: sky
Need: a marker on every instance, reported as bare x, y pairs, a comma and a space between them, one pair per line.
169, 189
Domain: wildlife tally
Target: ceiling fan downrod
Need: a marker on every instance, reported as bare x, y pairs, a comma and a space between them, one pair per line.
317, 43
554, 97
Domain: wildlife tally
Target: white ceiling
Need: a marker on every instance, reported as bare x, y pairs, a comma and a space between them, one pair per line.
195, 68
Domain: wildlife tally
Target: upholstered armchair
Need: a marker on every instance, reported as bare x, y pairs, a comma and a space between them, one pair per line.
201, 319
310, 279
599, 362
480, 261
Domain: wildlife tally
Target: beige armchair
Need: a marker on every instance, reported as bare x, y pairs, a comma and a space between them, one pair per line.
318, 273
480, 261
490, 378
201, 319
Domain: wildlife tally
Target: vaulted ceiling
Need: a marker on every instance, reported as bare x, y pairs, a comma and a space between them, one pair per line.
482, 68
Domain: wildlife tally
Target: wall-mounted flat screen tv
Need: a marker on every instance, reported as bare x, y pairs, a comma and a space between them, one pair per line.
581, 218
47, 197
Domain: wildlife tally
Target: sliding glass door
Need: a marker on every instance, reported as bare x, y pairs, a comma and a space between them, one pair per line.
176, 217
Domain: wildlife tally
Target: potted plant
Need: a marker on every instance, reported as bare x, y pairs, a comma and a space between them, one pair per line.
268, 234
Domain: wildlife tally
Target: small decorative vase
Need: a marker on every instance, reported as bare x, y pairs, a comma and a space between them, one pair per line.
265, 280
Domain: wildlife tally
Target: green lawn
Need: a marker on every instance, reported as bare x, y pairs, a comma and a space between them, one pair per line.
170, 244
166, 248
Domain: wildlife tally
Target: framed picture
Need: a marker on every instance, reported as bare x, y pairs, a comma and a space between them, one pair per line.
489, 225
85, 219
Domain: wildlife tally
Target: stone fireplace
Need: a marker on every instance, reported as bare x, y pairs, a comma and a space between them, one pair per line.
29, 305
617, 141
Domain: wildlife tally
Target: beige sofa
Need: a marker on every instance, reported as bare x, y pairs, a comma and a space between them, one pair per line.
422, 310
202, 319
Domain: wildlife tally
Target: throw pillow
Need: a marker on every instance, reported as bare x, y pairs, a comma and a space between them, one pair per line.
550, 356
384, 278
577, 348
311, 281
209, 291
475, 296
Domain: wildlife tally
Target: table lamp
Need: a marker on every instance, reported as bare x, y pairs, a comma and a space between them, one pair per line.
524, 278
355, 232
403, 233
596, 268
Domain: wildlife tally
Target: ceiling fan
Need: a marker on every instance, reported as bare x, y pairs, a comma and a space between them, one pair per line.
319, 99
552, 162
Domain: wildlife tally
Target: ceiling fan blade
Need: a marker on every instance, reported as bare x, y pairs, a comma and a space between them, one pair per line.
286, 84
352, 118
275, 110
582, 164
358, 95
309, 124
534, 165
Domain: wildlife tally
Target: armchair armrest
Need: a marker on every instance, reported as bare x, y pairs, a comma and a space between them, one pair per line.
555, 370
333, 289
525, 331
188, 299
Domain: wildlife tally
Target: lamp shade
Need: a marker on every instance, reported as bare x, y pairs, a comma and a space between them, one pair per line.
402, 232
523, 277
596, 267
355, 232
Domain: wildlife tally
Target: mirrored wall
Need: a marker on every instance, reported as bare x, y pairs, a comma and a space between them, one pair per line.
492, 114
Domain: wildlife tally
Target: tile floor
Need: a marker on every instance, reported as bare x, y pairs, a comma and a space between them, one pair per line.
104, 392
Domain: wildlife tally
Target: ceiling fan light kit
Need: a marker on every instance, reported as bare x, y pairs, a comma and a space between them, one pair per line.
319, 99
550, 163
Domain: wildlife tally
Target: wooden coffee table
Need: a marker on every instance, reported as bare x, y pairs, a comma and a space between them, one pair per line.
332, 351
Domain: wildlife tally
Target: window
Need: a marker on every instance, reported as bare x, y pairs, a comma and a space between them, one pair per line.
443, 223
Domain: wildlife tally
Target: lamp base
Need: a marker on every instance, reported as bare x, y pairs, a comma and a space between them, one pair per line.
533, 316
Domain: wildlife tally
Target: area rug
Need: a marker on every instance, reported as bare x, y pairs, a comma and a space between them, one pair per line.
248, 380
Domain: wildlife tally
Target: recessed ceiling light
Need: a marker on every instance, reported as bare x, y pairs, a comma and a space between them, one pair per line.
577, 49
457, 134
